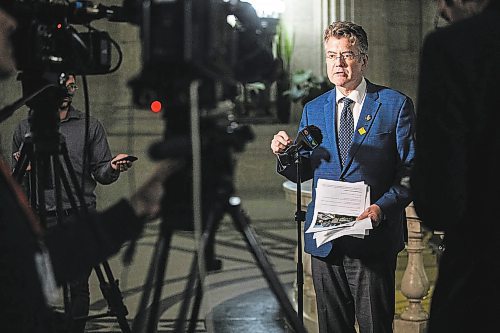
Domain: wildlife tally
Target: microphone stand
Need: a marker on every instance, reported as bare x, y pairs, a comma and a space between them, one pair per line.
299, 219
309, 138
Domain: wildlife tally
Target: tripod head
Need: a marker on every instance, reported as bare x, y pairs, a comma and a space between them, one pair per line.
44, 115
221, 137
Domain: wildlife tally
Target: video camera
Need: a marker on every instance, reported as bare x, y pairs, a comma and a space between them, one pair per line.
221, 40
218, 39
47, 42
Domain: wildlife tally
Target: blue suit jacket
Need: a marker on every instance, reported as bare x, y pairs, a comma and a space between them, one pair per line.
381, 155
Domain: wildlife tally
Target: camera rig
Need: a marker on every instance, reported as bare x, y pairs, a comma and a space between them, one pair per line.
220, 43
223, 40
47, 41
194, 53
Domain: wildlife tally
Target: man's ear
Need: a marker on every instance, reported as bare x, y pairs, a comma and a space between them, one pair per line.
364, 61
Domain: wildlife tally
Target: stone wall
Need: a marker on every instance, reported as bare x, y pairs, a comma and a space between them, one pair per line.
395, 29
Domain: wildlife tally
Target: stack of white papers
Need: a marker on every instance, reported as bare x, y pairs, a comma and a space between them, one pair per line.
337, 206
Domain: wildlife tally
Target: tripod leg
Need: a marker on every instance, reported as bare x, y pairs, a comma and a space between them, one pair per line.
196, 276
207, 239
56, 166
39, 166
190, 285
241, 222
32, 190
67, 303
25, 155
112, 294
196, 307
162, 265
138, 324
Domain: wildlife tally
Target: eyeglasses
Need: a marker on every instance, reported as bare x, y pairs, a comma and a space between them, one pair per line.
72, 87
345, 56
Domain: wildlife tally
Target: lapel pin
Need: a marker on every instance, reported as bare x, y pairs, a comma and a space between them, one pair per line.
361, 130
368, 117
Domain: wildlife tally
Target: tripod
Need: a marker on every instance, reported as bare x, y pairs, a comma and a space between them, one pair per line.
42, 150
218, 189
225, 203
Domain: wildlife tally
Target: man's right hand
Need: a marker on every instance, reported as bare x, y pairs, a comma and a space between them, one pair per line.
280, 141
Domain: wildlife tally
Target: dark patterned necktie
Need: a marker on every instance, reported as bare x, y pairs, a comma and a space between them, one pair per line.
346, 129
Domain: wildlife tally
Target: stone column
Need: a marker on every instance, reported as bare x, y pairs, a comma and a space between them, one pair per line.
414, 285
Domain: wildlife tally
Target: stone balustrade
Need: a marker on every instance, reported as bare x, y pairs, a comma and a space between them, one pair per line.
414, 284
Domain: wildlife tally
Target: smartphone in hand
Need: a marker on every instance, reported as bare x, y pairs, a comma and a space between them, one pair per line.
129, 158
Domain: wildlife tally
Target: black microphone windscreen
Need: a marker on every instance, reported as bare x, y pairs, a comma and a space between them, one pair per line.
309, 137
315, 133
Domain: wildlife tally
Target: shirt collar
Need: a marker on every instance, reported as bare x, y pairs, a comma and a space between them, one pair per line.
356, 95
72, 114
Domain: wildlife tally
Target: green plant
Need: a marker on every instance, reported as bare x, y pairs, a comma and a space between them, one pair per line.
306, 86
284, 46
252, 92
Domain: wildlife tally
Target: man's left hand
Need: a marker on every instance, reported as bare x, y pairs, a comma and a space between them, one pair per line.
374, 213
120, 165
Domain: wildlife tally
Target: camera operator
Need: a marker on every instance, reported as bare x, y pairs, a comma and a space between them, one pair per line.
97, 167
30, 259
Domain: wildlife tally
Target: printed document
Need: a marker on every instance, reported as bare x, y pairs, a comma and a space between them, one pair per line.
337, 206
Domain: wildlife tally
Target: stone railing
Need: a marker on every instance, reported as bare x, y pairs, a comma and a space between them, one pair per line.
414, 284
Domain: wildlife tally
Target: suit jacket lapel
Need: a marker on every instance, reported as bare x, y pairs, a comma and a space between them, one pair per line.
370, 108
330, 110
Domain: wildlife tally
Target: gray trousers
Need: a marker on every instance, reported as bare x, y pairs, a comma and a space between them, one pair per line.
350, 289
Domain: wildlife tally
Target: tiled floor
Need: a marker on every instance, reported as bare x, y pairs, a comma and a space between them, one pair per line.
234, 299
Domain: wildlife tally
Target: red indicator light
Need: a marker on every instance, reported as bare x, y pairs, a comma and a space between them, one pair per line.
156, 106
59, 25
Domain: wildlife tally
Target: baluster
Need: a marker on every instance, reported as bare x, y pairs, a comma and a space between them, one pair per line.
415, 284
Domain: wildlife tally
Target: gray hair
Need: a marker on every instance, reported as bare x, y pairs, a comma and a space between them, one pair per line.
353, 32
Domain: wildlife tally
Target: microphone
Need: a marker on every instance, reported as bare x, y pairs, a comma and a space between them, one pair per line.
308, 139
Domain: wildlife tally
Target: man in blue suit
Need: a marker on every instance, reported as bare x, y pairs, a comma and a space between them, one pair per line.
353, 277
